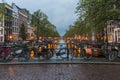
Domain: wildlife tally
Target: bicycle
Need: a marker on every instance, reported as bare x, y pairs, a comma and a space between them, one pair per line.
20, 51
86, 52
6, 53
82, 49
61, 51
113, 52
41, 50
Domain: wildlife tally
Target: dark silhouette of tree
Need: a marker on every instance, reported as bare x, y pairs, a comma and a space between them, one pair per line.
23, 31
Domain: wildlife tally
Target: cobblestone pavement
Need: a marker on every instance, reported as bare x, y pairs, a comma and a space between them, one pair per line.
60, 72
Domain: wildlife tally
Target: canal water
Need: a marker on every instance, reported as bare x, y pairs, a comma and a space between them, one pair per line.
62, 44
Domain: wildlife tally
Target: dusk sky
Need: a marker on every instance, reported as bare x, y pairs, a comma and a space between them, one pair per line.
61, 13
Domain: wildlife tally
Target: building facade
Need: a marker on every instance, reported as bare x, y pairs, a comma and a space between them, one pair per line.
1, 23
24, 18
30, 30
113, 31
6, 23
15, 26
11, 19
30, 33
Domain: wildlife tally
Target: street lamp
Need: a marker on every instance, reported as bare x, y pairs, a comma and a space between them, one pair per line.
10, 38
32, 37
40, 38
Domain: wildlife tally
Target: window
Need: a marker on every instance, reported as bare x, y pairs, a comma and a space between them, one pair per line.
1, 38
1, 31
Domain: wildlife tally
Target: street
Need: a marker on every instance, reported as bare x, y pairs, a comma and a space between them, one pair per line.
60, 72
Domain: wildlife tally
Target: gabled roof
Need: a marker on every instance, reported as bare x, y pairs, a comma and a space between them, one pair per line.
16, 6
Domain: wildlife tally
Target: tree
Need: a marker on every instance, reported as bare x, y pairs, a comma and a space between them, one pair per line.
23, 31
42, 25
94, 15
2, 11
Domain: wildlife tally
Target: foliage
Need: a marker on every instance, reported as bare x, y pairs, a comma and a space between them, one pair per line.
23, 31
2, 11
93, 15
42, 25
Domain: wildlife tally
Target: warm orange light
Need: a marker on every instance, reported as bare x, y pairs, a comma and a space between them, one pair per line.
74, 51
40, 49
110, 37
86, 38
49, 46
32, 54
79, 37
79, 50
40, 37
88, 51
32, 37
45, 46
55, 41
10, 37
72, 45
49, 37
68, 45
75, 46
118, 36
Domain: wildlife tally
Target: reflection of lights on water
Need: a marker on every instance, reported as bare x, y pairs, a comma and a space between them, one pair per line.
11, 71
55, 46
32, 54
61, 44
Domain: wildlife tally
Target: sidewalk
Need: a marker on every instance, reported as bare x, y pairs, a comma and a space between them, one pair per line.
61, 61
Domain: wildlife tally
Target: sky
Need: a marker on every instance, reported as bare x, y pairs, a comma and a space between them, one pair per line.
61, 13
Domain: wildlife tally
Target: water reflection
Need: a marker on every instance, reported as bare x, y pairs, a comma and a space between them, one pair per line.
61, 44
11, 71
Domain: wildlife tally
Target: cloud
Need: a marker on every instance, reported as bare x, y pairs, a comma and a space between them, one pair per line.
60, 12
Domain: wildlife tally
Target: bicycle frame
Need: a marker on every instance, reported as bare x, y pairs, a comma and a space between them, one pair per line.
21, 52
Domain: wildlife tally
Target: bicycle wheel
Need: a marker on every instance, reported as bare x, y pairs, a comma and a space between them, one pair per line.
112, 55
11, 57
82, 53
63, 53
88, 56
49, 54
26, 55
2, 58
